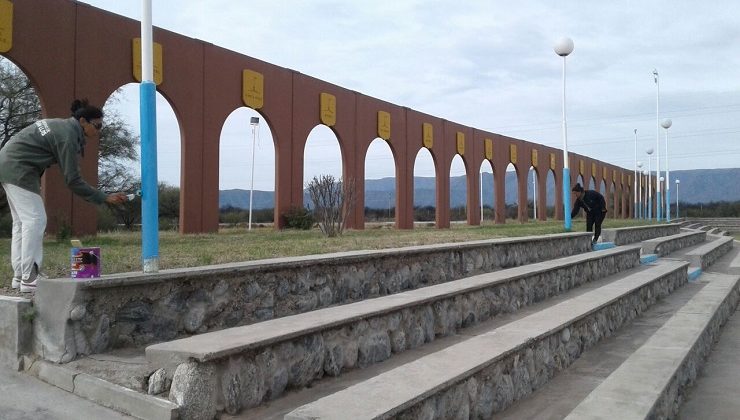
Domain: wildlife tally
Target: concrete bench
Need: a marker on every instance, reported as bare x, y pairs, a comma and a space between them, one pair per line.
647, 386
630, 235
487, 373
294, 351
664, 245
707, 254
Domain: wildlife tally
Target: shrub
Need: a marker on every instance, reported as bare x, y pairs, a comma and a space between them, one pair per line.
298, 218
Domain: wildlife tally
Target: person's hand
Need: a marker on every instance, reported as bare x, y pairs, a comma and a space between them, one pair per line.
116, 198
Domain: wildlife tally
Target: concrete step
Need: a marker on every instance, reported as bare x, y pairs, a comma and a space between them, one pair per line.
653, 381
303, 348
634, 234
664, 245
505, 364
566, 390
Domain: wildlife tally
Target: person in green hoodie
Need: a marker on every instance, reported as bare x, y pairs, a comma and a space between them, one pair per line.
23, 159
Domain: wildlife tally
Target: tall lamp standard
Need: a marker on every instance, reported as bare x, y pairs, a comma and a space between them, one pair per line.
657, 144
666, 124
563, 47
635, 215
660, 181
647, 200
638, 179
255, 123
649, 151
678, 181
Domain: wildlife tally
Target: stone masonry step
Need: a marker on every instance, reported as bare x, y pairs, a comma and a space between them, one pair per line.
633, 234
485, 374
302, 348
653, 381
557, 398
666, 244
706, 254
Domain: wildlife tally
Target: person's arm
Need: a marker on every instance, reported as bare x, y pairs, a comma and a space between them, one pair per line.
68, 158
576, 208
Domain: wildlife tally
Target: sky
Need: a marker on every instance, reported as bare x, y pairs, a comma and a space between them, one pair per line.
488, 64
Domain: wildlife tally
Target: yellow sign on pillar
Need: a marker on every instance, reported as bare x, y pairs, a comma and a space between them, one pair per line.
534, 157
580, 167
593, 169
384, 125
614, 175
629, 180
489, 149
460, 143
427, 135
605, 174
6, 25
328, 108
253, 89
512, 153
553, 162
157, 50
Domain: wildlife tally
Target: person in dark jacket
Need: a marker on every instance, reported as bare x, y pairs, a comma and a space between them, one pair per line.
23, 159
594, 205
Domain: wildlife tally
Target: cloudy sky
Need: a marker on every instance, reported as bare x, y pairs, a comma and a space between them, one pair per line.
488, 64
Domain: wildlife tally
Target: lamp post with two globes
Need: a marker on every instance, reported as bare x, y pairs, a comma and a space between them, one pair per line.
638, 180
563, 47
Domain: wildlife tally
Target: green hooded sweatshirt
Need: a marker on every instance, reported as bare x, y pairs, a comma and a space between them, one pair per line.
26, 155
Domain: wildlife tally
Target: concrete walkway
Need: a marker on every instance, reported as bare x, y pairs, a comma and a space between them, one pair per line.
23, 397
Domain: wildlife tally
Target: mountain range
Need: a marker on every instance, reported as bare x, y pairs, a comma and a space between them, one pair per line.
697, 186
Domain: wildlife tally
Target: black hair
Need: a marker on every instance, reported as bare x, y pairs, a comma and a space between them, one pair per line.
578, 188
82, 109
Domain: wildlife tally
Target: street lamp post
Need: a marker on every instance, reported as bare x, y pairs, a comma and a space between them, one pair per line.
255, 123
534, 193
660, 181
638, 180
666, 124
657, 144
678, 181
563, 47
634, 211
481, 196
649, 151
647, 200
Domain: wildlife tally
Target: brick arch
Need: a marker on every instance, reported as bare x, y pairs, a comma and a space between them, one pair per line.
202, 83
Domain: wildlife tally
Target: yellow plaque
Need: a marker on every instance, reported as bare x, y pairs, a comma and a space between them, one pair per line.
614, 175
328, 109
593, 169
534, 157
253, 89
158, 72
460, 143
489, 149
552, 161
580, 167
512, 153
629, 180
6, 25
427, 135
384, 125
605, 174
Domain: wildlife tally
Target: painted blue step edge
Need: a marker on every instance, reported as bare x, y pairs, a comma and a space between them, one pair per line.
648, 258
694, 273
600, 246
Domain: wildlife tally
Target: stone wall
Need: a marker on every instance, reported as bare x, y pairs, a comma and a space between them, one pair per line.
136, 309
247, 379
630, 235
706, 255
16, 315
519, 373
666, 245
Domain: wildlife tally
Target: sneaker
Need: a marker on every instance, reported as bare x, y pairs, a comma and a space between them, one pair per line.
16, 283
29, 287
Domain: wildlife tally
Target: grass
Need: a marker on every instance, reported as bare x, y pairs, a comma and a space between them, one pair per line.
121, 251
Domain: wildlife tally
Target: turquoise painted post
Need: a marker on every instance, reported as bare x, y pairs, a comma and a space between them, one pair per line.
149, 187
566, 198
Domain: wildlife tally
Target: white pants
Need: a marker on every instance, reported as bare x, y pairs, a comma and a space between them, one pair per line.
29, 225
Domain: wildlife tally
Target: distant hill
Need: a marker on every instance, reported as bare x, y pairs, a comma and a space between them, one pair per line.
697, 186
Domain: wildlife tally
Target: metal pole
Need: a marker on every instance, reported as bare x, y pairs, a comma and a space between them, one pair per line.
634, 211
658, 206
677, 212
650, 189
667, 181
254, 122
534, 195
563, 47
148, 125
481, 196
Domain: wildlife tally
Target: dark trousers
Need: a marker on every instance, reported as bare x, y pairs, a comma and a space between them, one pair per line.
595, 218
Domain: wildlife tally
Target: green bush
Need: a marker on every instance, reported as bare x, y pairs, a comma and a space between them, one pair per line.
298, 218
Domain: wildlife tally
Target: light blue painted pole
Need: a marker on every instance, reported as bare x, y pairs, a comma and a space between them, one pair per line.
658, 204
148, 121
563, 47
667, 205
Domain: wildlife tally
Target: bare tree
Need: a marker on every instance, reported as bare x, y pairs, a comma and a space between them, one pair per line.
333, 201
